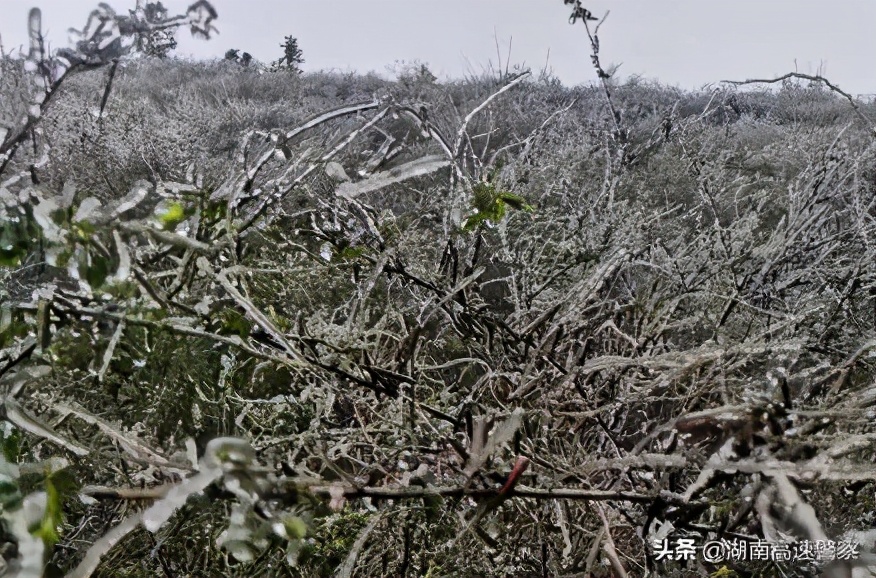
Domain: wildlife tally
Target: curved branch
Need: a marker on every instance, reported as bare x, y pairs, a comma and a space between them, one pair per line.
815, 78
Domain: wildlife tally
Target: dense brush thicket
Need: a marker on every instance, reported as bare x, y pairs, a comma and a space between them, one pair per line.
667, 328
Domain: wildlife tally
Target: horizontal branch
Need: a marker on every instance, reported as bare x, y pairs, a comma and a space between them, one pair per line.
172, 238
412, 492
815, 78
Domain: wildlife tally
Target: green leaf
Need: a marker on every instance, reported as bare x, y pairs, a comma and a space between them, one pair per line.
16, 240
61, 485
60, 216
348, 253
215, 211
498, 211
515, 201
491, 205
295, 527
474, 221
84, 230
483, 197
234, 323
10, 444
10, 495
96, 270
12, 326
63, 258
173, 215
123, 289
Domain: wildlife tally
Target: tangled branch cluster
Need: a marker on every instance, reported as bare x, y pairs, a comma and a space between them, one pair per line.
479, 346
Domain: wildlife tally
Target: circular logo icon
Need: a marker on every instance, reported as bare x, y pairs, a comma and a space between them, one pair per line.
714, 551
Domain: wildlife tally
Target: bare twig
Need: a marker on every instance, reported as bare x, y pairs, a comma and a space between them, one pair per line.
813, 78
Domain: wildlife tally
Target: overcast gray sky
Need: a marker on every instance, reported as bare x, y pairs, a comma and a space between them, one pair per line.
681, 42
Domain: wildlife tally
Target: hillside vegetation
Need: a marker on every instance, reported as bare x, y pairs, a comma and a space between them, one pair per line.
269, 324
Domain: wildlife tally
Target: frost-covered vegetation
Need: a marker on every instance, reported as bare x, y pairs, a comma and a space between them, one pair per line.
256, 323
